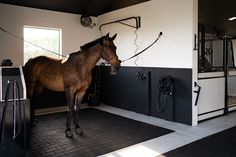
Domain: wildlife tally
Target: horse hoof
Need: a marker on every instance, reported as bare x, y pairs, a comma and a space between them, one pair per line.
69, 133
78, 131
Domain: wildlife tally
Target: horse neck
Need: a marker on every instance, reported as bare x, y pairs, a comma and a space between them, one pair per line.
91, 56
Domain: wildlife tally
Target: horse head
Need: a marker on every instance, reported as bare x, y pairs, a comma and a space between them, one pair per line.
108, 53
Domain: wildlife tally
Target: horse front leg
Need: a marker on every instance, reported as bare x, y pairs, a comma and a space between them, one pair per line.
70, 101
30, 93
78, 101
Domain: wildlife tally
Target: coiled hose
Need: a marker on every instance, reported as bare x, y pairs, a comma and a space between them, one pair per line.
166, 88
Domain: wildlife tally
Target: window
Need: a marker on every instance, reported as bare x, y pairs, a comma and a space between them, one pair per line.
41, 41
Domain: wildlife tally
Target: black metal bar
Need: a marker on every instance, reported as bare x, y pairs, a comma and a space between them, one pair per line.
202, 51
213, 77
196, 41
211, 111
232, 50
149, 92
136, 18
226, 70
127, 25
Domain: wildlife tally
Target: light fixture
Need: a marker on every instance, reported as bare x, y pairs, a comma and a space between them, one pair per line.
232, 18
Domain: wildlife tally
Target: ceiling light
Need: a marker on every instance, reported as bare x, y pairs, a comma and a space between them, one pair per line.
232, 18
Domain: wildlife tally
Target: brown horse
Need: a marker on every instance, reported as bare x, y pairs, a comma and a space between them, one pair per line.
73, 75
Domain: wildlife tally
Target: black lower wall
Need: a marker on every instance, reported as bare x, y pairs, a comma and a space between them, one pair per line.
126, 91
48, 99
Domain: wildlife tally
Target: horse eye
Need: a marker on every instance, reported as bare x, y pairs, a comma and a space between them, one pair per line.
113, 48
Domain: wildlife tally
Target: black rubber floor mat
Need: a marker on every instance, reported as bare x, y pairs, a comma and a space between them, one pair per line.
103, 132
222, 144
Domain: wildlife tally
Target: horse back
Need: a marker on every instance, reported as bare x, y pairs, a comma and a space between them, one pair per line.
38, 68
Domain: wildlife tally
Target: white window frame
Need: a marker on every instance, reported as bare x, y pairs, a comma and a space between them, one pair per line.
59, 56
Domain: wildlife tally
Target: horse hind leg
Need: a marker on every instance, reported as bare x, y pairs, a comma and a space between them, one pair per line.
34, 92
30, 92
30, 95
78, 100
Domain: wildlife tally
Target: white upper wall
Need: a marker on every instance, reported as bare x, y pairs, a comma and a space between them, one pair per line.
13, 18
172, 17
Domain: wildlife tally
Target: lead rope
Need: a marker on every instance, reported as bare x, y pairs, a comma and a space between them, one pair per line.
160, 34
19, 38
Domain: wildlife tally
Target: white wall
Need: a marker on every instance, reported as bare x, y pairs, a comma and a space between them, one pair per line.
172, 17
195, 62
13, 18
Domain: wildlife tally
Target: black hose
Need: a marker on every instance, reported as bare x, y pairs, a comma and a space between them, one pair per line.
160, 34
166, 88
19, 109
24, 124
2, 129
3, 122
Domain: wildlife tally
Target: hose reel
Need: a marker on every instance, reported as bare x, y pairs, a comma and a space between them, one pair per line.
166, 89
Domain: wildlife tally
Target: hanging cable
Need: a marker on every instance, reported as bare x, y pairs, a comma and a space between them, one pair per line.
19, 38
136, 47
160, 34
100, 32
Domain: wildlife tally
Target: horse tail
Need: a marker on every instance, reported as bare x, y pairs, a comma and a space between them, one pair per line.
27, 70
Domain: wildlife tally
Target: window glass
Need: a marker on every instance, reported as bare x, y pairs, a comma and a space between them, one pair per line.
41, 41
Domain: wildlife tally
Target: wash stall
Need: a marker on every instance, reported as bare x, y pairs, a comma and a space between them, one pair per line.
14, 113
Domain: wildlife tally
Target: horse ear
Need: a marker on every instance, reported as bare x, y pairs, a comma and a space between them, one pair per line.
114, 36
107, 36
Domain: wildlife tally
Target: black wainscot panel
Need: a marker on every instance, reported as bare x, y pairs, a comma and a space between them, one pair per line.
128, 91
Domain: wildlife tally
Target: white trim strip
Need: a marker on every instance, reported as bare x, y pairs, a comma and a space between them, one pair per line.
232, 108
210, 115
23, 82
210, 75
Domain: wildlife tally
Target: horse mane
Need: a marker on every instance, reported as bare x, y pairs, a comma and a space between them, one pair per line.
92, 43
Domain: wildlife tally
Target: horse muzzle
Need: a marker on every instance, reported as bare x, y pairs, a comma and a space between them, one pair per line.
114, 68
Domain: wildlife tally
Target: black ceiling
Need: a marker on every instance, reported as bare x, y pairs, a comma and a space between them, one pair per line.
216, 13
83, 7
212, 12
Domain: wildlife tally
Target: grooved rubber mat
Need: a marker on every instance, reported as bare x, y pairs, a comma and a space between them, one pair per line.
103, 133
222, 144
